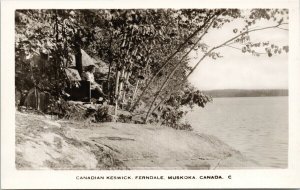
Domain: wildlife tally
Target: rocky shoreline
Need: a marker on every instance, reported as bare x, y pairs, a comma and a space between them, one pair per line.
44, 143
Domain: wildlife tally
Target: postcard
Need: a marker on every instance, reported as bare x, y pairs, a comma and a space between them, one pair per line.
150, 94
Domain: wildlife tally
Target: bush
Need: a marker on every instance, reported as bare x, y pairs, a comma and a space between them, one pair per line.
102, 114
67, 110
185, 126
171, 118
125, 118
71, 110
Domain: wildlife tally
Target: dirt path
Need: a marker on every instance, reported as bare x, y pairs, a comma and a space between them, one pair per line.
44, 143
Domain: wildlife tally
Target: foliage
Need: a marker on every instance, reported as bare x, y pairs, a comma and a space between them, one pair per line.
171, 118
64, 109
147, 51
102, 114
188, 97
176, 107
124, 118
70, 110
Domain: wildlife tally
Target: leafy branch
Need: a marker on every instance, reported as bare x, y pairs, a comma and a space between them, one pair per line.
207, 54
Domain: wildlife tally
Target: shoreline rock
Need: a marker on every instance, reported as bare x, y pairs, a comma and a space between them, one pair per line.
42, 143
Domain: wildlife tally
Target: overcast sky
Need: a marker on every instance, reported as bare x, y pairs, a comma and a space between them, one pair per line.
237, 70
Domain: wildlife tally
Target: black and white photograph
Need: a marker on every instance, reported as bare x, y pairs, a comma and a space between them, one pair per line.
146, 89
151, 88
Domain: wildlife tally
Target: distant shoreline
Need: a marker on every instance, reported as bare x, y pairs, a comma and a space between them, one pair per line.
246, 92
246, 97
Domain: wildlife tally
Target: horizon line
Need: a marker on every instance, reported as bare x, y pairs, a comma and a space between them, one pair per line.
246, 89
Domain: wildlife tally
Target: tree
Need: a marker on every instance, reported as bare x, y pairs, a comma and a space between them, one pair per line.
242, 37
141, 38
147, 51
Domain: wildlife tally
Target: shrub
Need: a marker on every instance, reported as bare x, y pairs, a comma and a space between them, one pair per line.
102, 114
172, 117
67, 110
71, 110
125, 118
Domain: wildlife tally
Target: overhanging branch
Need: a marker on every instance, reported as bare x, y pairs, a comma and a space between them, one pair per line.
210, 51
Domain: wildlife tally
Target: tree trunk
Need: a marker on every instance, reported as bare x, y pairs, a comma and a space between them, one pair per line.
175, 68
36, 99
78, 58
169, 77
117, 92
135, 90
202, 58
110, 59
108, 81
168, 60
125, 83
160, 90
121, 82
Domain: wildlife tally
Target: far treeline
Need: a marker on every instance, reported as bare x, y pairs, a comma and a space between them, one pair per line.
146, 51
247, 93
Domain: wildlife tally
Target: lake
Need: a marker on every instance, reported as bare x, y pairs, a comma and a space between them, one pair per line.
256, 126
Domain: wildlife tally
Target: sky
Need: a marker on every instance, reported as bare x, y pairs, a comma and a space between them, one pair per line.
236, 70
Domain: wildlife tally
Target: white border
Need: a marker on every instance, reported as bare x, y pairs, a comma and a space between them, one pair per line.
263, 178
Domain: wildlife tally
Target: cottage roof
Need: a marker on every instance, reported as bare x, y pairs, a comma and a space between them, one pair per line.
87, 60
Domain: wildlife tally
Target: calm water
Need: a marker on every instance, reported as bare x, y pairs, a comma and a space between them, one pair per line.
256, 126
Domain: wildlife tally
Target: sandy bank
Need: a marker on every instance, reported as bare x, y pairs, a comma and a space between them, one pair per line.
44, 143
